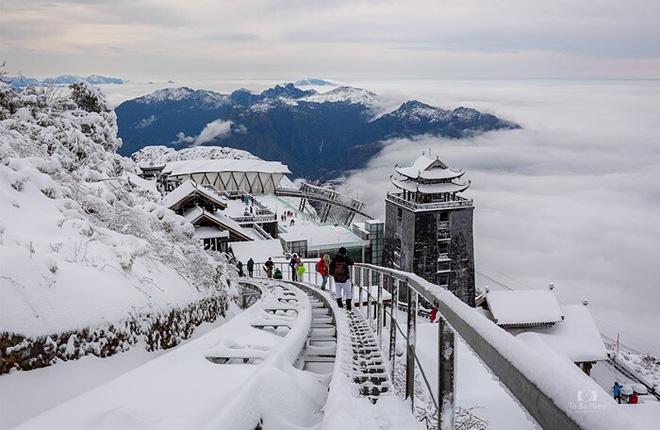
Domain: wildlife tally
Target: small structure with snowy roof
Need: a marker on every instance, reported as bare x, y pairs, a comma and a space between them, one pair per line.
428, 225
576, 337
524, 309
259, 251
189, 194
253, 176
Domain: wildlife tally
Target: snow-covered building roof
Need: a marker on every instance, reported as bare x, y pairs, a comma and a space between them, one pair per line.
428, 180
190, 189
259, 251
187, 167
196, 216
250, 175
323, 237
426, 167
526, 308
433, 188
576, 337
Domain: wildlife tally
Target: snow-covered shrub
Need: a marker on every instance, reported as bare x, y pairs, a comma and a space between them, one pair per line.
65, 190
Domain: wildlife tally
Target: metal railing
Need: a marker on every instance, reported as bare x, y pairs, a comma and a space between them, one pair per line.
459, 202
495, 348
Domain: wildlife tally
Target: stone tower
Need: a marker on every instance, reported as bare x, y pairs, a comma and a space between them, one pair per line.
428, 226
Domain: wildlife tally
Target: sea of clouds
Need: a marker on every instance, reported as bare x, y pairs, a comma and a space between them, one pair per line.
573, 198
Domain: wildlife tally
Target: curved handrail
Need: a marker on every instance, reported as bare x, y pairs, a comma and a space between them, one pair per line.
520, 368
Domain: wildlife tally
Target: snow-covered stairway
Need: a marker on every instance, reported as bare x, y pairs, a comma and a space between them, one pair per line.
368, 371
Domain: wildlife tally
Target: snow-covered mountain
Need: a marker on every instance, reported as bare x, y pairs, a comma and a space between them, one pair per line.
20, 81
313, 82
344, 95
84, 242
319, 134
204, 98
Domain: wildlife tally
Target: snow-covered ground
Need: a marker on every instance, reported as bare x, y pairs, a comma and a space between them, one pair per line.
182, 389
26, 394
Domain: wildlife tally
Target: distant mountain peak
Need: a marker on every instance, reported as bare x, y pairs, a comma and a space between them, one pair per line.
416, 111
345, 94
204, 97
309, 82
288, 91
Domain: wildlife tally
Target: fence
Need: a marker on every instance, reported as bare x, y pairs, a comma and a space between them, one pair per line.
543, 387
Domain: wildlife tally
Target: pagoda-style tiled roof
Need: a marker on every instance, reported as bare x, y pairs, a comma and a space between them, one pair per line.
429, 175
432, 188
429, 168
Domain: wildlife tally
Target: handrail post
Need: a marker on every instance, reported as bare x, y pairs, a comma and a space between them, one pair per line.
379, 316
446, 366
359, 275
393, 323
367, 279
410, 350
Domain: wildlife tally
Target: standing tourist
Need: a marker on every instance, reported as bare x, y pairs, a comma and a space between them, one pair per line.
250, 267
340, 271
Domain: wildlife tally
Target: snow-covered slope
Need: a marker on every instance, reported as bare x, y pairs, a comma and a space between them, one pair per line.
83, 241
158, 154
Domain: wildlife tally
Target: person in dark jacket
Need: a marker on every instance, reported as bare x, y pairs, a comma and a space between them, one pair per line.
250, 267
239, 265
340, 272
269, 267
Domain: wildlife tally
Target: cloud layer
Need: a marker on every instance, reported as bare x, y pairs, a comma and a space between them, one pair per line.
214, 130
572, 199
344, 39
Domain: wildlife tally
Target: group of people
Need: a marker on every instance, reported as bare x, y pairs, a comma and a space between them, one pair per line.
297, 268
621, 397
288, 214
337, 267
268, 268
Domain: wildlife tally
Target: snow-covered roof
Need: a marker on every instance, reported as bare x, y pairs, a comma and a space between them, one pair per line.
206, 232
435, 188
320, 237
426, 167
524, 308
189, 187
186, 167
196, 213
258, 250
576, 337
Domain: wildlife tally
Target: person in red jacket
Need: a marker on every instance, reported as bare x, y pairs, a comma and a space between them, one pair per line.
322, 266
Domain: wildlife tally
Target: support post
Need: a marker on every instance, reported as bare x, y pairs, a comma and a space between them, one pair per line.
446, 366
367, 279
379, 310
359, 275
410, 350
393, 315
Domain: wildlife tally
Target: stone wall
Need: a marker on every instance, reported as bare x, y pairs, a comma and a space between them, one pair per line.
159, 330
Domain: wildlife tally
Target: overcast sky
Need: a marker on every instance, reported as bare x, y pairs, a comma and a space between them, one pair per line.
168, 39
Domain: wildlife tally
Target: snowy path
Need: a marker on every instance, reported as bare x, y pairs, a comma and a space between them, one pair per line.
182, 389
